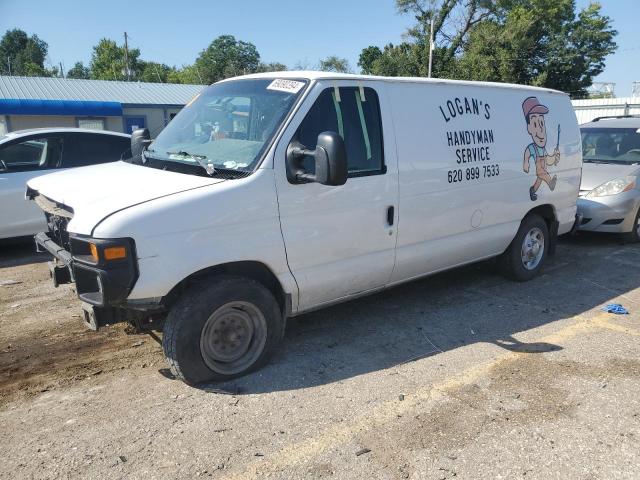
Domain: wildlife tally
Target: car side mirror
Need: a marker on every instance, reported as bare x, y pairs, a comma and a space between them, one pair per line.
3, 166
140, 139
330, 157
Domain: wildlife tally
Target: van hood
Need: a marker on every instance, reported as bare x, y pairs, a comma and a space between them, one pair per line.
92, 193
595, 174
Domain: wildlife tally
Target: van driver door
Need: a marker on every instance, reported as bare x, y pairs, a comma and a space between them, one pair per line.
340, 240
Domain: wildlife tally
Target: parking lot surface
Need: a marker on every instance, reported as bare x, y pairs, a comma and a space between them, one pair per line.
463, 374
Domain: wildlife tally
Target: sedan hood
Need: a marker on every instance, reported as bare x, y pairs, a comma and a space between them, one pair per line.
595, 174
95, 192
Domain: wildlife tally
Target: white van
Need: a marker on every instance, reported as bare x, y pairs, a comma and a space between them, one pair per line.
270, 195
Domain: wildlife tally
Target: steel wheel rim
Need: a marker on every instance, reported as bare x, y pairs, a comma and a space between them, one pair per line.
532, 249
233, 337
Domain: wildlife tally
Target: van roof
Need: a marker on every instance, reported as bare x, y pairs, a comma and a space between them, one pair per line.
313, 75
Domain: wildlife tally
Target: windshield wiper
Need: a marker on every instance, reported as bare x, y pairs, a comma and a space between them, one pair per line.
198, 158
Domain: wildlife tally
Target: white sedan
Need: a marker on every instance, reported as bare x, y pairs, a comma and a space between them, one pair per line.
26, 154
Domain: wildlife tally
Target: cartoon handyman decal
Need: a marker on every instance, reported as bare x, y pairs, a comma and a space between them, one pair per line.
534, 113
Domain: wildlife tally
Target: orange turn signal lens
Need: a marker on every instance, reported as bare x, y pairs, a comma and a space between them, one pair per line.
94, 252
115, 253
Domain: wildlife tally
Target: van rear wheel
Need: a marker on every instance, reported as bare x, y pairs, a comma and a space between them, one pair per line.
526, 254
221, 328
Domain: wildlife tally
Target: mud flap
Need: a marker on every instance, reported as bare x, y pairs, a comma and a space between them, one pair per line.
96, 317
576, 224
60, 274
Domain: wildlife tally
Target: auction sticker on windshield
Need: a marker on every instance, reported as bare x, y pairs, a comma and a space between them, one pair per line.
282, 85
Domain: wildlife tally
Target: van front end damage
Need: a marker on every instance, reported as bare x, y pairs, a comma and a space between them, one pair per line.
104, 270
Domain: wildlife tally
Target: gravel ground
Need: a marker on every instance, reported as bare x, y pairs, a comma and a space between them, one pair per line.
462, 375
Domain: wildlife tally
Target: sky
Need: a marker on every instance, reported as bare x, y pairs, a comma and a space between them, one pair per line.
174, 32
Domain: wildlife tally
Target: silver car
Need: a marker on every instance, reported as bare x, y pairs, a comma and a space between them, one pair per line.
26, 154
610, 191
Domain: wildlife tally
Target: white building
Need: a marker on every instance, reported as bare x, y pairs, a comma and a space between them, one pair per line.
587, 110
31, 102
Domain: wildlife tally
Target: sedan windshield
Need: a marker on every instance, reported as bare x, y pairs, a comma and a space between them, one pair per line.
611, 145
228, 126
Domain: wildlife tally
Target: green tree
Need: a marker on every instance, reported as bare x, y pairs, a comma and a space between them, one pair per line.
540, 42
536, 42
21, 54
452, 22
367, 59
272, 67
334, 64
226, 57
402, 60
108, 62
303, 65
188, 74
79, 71
155, 72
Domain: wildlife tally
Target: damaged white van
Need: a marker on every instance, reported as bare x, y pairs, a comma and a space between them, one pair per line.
270, 195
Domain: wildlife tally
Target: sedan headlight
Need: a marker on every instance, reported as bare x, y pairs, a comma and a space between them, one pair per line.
613, 187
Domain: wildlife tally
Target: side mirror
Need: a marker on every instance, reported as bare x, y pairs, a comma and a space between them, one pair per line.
330, 157
140, 139
3, 166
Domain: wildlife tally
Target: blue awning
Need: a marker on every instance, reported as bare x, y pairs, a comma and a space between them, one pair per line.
78, 108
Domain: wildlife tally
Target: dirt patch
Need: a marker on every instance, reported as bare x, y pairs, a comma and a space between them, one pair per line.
321, 470
527, 390
43, 343
32, 365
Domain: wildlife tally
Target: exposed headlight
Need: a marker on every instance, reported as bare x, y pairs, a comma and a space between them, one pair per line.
613, 187
99, 251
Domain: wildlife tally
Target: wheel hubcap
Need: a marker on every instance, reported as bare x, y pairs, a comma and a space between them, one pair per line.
233, 337
532, 248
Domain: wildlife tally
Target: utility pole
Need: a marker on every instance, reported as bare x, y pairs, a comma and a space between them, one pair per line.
9, 64
61, 70
158, 74
430, 46
126, 57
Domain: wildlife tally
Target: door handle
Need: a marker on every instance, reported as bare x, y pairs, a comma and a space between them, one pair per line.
390, 215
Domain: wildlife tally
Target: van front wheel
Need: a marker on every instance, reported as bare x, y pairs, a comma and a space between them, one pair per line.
220, 329
524, 258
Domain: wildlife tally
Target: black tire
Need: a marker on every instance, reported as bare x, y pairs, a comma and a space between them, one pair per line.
511, 261
634, 235
192, 349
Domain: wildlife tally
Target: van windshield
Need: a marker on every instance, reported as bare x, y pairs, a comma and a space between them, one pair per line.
228, 125
611, 145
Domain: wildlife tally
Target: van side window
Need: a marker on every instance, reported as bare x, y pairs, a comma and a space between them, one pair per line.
31, 154
356, 119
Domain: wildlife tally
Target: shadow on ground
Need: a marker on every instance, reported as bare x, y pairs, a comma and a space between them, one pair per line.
21, 251
444, 312
413, 321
